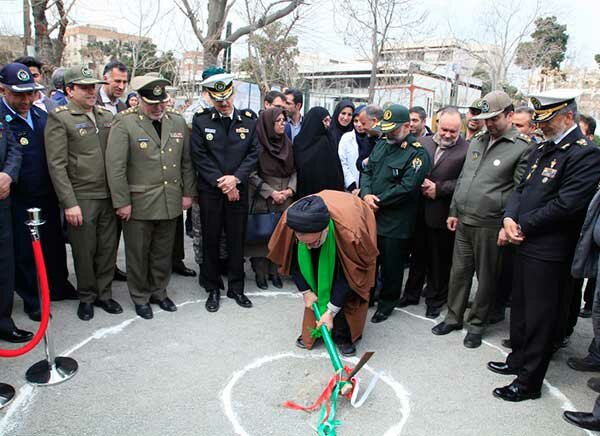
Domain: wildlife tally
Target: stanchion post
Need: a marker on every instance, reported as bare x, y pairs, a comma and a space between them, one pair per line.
7, 394
53, 369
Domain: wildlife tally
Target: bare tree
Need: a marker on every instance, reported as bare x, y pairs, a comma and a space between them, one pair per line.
49, 49
211, 36
374, 24
503, 26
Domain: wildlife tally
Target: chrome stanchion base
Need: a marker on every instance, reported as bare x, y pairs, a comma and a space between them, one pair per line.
7, 394
44, 374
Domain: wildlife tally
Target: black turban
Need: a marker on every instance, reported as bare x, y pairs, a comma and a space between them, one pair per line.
308, 215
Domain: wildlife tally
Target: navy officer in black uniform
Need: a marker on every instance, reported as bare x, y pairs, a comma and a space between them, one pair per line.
543, 218
224, 153
10, 165
34, 189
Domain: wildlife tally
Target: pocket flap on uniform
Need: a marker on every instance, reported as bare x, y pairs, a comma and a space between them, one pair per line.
137, 188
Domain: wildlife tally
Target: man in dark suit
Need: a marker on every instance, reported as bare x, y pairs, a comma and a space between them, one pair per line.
447, 150
107, 96
224, 153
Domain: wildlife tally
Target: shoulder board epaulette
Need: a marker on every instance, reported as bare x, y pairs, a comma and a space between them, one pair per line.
581, 142
102, 108
250, 114
478, 134
416, 144
524, 137
61, 108
128, 111
202, 111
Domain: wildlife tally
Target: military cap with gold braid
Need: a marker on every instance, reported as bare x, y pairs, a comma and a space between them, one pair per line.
219, 86
393, 116
547, 104
151, 88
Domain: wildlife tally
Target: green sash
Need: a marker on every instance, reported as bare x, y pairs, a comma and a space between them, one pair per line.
325, 271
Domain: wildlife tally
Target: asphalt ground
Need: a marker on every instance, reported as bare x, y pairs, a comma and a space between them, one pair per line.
201, 374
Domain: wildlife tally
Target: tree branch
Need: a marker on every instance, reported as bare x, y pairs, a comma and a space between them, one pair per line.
191, 15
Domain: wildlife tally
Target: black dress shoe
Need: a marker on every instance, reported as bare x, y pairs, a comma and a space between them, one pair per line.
261, 281
379, 317
120, 276
405, 302
85, 311
443, 329
585, 364
300, 343
472, 340
585, 313
506, 343
212, 303
276, 280
109, 306
514, 393
16, 336
594, 384
582, 420
182, 270
35, 315
347, 350
167, 304
240, 299
432, 313
144, 310
502, 368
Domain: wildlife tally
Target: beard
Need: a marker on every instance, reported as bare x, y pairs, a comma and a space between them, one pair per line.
443, 142
396, 139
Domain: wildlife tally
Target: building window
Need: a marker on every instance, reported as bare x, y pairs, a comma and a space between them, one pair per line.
445, 55
91, 38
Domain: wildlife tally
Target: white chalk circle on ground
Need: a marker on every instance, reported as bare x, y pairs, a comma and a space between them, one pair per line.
226, 394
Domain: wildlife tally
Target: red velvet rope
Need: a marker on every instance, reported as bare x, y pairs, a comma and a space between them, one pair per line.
45, 293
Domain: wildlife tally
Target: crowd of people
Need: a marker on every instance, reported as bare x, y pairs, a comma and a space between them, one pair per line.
351, 198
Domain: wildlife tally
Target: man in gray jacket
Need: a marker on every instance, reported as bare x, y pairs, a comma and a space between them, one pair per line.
494, 165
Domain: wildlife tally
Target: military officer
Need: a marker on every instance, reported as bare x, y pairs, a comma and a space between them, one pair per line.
151, 181
494, 165
34, 189
390, 185
543, 220
75, 140
224, 153
10, 164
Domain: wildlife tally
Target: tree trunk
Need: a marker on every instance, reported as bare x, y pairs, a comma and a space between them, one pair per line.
374, 65
43, 43
26, 26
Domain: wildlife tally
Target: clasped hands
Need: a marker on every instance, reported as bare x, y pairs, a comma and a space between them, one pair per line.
510, 233
228, 186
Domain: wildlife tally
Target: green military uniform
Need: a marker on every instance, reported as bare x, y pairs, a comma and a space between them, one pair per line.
75, 142
491, 171
394, 174
149, 167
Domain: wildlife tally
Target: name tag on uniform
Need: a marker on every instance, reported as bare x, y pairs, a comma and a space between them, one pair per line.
82, 126
207, 130
177, 135
242, 130
549, 172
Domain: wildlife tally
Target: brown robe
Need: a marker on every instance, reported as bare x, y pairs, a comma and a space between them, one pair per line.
356, 243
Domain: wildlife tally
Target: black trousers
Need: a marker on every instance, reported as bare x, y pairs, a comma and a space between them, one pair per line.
341, 333
216, 214
7, 268
573, 306
393, 255
505, 283
417, 272
535, 312
53, 248
178, 249
440, 245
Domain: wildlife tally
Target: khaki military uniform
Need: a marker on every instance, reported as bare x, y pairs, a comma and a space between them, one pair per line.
151, 174
75, 147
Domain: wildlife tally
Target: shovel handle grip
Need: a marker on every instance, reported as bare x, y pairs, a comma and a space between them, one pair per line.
331, 348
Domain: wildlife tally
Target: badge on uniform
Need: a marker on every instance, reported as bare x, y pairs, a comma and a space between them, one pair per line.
475, 155
242, 135
176, 135
82, 132
8, 118
404, 144
549, 173
242, 130
108, 125
209, 136
143, 143
24, 140
417, 163
207, 130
